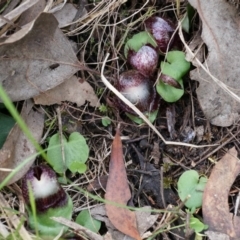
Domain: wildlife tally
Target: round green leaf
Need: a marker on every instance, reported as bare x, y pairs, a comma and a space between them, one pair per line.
169, 93
106, 121
75, 150
85, 219
138, 40
197, 225
6, 124
78, 167
151, 116
54, 153
189, 184
178, 62
176, 67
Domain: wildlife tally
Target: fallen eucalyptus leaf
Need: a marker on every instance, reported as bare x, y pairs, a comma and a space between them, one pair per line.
36, 58
32, 13
118, 192
18, 11
221, 35
216, 212
73, 90
145, 220
66, 15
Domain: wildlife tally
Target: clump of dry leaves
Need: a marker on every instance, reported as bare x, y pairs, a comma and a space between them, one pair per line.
53, 66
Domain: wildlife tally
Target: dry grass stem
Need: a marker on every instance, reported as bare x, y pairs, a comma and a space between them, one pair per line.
216, 80
78, 228
18, 11
13, 219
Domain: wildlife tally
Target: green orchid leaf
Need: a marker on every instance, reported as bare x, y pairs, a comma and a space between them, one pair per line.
175, 63
187, 20
151, 116
138, 40
6, 124
197, 225
189, 184
75, 150
78, 167
106, 121
48, 227
176, 67
85, 219
169, 93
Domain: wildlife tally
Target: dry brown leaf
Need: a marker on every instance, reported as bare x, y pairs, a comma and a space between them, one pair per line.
145, 220
17, 147
36, 58
215, 198
32, 13
18, 11
73, 90
12, 4
216, 235
220, 32
66, 15
118, 192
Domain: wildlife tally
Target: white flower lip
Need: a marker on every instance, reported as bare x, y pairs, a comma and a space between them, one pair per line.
45, 186
136, 93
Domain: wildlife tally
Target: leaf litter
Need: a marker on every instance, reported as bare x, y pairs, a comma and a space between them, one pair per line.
28, 55
215, 207
74, 90
99, 138
222, 62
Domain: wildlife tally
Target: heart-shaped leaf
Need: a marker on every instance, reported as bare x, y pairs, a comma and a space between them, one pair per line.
75, 150
189, 184
77, 167
85, 219
138, 40
175, 67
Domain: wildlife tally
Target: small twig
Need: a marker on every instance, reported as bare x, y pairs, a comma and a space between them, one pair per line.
139, 113
162, 188
237, 204
10, 22
61, 135
78, 228
216, 149
17, 11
